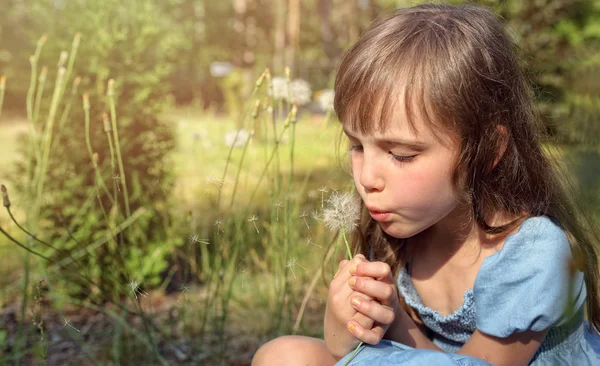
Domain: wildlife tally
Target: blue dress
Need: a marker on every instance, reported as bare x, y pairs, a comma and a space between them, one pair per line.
524, 286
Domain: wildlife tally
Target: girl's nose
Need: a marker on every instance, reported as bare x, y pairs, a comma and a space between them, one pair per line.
370, 176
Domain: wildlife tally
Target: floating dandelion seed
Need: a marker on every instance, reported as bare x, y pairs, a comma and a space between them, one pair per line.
211, 179
194, 239
342, 214
219, 225
183, 289
293, 262
316, 215
303, 216
243, 276
253, 219
67, 322
136, 290
278, 205
310, 242
161, 187
117, 178
323, 190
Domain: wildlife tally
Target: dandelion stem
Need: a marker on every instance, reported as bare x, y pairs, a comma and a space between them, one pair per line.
88, 143
277, 143
241, 123
347, 245
2, 89
48, 129
113, 117
237, 176
39, 94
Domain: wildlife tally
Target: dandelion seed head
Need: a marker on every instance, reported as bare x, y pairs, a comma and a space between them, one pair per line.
300, 92
342, 212
325, 99
278, 88
253, 218
237, 138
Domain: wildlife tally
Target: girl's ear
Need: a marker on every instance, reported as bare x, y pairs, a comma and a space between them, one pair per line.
502, 134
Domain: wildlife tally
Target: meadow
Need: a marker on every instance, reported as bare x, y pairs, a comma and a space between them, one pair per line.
270, 280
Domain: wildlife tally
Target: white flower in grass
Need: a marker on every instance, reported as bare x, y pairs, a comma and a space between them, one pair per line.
342, 212
239, 141
279, 88
325, 100
300, 92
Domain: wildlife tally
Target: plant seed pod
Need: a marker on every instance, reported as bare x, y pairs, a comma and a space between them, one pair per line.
256, 109
5, 199
76, 40
62, 58
107, 127
43, 74
111, 88
86, 101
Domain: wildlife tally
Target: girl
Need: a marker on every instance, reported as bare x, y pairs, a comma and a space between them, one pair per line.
479, 255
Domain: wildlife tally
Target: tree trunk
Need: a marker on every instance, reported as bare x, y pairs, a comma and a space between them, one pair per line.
293, 32
279, 37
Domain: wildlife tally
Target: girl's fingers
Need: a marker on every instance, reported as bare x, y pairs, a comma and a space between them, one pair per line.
377, 270
363, 320
370, 336
384, 292
342, 275
343, 264
373, 310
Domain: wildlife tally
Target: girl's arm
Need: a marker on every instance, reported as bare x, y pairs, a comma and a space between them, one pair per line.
516, 349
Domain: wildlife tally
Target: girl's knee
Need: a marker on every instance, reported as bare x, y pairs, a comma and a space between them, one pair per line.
293, 350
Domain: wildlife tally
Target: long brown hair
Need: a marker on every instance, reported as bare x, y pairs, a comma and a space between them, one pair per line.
458, 66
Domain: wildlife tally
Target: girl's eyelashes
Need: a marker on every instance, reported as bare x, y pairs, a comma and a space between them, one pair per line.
398, 159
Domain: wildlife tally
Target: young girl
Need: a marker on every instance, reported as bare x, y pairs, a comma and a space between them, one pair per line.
479, 256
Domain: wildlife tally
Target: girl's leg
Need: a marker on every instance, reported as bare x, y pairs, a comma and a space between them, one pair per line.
293, 350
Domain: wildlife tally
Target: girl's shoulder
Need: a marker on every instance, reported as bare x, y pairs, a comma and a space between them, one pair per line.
526, 285
539, 238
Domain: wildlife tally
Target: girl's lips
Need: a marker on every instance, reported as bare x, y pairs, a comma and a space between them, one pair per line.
379, 216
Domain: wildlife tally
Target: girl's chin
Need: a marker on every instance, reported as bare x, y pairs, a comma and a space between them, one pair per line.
392, 229
400, 231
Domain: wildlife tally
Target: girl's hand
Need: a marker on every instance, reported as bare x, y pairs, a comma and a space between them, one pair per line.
340, 313
373, 280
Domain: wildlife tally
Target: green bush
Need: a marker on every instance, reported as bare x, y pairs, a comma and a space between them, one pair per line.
127, 42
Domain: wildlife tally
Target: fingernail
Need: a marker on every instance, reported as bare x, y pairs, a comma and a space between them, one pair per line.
356, 301
352, 327
353, 269
352, 281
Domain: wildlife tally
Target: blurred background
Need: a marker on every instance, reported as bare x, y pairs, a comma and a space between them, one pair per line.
166, 190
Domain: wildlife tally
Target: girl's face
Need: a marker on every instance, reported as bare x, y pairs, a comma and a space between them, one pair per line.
404, 176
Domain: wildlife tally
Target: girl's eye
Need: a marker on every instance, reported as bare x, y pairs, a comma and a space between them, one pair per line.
398, 159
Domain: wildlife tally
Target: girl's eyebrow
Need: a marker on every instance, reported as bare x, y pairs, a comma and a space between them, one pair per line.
412, 144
